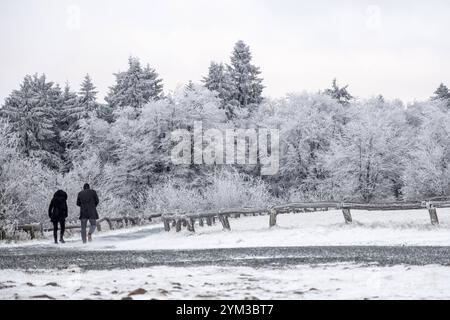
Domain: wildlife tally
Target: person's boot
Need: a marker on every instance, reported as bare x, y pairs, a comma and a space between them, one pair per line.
62, 240
89, 237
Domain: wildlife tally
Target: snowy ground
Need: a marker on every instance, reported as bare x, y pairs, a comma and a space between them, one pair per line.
337, 281
327, 280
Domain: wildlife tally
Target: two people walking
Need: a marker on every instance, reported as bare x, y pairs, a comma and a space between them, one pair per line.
87, 200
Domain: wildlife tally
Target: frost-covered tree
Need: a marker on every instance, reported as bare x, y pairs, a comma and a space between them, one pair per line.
220, 81
339, 94
87, 98
10, 208
77, 107
247, 84
308, 124
135, 87
189, 86
33, 111
22, 200
366, 162
427, 169
138, 160
69, 108
142, 145
442, 93
65, 122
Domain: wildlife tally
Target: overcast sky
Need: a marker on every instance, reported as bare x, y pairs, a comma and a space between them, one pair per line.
396, 48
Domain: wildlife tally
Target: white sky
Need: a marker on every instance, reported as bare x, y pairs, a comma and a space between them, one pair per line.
397, 48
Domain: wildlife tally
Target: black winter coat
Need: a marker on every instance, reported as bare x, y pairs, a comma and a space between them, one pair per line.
88, 201
58, 207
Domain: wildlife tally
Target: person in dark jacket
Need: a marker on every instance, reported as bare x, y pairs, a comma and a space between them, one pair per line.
88, 201
58, 213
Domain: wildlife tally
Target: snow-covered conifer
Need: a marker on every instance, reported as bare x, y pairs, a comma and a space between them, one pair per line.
340, 94
33, 111
135, 87
247, 85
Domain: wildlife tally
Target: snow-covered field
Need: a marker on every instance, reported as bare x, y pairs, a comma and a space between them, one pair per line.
339, 281
307, 229
384, 228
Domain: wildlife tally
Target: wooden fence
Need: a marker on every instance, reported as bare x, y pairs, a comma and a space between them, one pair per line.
189, 220
113, 224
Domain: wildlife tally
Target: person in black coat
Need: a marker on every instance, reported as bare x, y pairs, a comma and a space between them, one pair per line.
88, 201
58, 213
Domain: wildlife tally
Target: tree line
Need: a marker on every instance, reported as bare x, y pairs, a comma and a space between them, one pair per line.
333, 146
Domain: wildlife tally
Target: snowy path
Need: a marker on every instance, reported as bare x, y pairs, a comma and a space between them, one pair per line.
30, 259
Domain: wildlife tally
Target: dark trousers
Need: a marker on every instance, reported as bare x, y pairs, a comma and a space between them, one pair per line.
92, 227
55, 229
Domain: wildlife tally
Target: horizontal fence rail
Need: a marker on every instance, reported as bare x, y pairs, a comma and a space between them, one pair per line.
113, 224
189, 220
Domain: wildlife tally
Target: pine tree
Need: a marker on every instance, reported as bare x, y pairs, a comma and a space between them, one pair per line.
151, 85
87, 100
33, 111
69, 108
219, 81
247, 84
340, 94
135, 87
442, 93
189, 87
81, 105
71, 112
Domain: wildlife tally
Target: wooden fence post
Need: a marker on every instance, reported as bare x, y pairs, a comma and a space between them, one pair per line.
209, 221
201, 223
433, 214
347, 216
110, 226
225, 222
273, 218
166, 225
191, 225
178, 225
